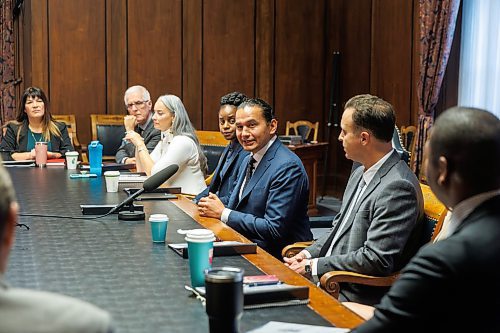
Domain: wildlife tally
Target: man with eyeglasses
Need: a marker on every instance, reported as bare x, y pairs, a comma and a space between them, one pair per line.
138, 103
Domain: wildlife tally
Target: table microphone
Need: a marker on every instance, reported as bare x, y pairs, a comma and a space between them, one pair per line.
149, 184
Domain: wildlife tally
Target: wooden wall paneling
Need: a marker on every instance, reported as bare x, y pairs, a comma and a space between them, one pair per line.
77, 60
116, 55
354, 45
35, 45
192, 76
264, 50
391, 55
228, 53
333, 28
299, 61
415, 62
154, 50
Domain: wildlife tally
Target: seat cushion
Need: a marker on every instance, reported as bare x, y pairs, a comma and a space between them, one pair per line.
110, 136
213, 154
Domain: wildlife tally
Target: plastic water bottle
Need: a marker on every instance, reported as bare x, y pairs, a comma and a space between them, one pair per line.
95, 157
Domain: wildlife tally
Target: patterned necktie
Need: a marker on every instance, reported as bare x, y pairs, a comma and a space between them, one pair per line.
249, 173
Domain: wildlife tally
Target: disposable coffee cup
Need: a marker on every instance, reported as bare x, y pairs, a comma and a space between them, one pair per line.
159, 224
224, 295
41, 154
71, 160
200, 252
112, 178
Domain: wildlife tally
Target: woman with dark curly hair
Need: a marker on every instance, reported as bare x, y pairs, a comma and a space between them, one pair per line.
34, 123
232, 156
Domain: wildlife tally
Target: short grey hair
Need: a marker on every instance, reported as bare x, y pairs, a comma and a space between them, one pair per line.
145, 93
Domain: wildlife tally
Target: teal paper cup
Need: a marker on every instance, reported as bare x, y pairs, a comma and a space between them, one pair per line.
159, 223
200, 251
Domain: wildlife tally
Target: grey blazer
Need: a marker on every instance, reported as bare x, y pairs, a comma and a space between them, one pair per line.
151, 138
24, 310
383, 232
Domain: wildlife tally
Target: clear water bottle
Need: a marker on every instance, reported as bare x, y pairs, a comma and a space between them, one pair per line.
95, 157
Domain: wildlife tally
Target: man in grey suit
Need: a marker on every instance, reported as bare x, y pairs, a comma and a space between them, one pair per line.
378, 227
453, 285
138, 103
23, 310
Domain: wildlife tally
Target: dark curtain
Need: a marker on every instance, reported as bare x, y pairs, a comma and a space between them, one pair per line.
437, 26
7, 63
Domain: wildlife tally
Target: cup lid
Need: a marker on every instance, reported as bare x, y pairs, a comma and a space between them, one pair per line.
199, 233
112, 173
71, 153
225, 274
158, 217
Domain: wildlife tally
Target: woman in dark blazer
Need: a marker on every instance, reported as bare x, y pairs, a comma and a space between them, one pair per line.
34, 123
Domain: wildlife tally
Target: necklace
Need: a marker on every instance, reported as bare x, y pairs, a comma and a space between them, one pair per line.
33, 136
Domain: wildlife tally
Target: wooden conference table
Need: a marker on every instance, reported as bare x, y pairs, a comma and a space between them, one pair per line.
114, 264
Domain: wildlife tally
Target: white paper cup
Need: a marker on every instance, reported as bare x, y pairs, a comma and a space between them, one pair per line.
112, 180
71, 159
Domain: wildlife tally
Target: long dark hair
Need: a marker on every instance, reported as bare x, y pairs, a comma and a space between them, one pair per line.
48, 124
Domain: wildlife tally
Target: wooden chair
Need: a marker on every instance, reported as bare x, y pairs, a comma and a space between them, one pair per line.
110, 131
304, 129
409, 138
70, 121
435, 213
213, 144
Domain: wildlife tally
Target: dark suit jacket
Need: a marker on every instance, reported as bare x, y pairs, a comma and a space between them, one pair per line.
151, 138
453, 284
383, 233
11, 145
226, 173
273, 208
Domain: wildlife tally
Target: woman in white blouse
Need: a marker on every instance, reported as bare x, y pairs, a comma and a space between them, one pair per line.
179, 145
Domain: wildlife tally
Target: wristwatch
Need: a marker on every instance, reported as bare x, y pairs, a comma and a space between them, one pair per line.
308, 269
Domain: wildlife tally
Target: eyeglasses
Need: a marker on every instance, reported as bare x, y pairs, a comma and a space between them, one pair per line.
137, 104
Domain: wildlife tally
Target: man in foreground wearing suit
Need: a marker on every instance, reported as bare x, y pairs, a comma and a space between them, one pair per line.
378, 227
453, 284
23, 310
138, 103
269, 202
227, 169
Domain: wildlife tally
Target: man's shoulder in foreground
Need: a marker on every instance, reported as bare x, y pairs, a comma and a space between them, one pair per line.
24, 310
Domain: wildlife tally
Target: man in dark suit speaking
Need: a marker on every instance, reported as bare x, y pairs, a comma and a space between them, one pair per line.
269, 202
138, 103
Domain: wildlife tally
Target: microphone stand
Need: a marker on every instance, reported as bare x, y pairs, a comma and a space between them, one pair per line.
131, 214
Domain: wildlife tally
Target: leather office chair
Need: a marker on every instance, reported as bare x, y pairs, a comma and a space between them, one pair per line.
70, 121
212, 143
110, 131
304, 129
434, 212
